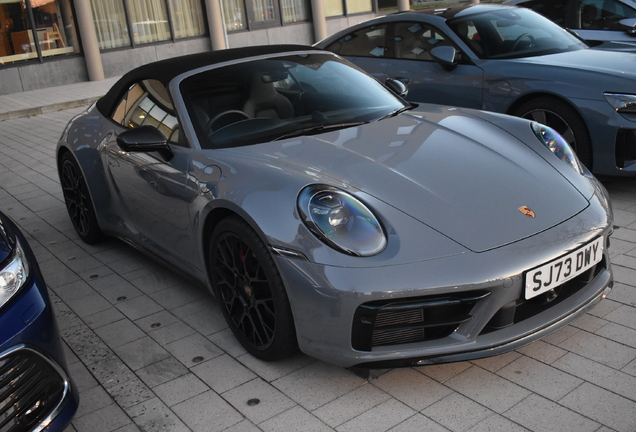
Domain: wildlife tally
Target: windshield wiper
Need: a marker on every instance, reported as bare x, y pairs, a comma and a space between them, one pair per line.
318, 129
393, 113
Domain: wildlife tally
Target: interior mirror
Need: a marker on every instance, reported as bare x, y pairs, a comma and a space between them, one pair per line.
144, 139
274, 76
629, 25
445, 56
396, 86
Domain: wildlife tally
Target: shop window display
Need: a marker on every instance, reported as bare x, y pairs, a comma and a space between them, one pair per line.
32, 29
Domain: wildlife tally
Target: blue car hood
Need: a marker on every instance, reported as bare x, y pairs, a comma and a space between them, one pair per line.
460, 175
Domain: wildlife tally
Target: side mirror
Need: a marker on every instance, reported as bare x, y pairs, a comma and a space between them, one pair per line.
144, 139
446, 56
397, 87
629, 25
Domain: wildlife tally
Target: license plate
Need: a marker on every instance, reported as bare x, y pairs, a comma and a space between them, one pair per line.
563, 269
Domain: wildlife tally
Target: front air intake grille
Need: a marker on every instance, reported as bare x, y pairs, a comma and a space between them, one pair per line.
521, 309
31, 389
393, 322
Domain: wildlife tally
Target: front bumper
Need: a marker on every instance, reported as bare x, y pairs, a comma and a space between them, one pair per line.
326, 300
613, 138
36, 392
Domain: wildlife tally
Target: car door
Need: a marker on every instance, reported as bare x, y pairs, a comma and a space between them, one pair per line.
411, 44
152, 187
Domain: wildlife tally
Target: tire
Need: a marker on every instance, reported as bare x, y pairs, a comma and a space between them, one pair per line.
564, 119
250, 291
78, 201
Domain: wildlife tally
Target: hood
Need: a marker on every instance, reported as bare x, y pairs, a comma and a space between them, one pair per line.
460, 175
610, 64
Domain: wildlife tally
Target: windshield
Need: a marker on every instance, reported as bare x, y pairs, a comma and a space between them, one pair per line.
513, 33
276, 98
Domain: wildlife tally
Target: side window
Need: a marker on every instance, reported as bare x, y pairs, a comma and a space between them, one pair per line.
148, 103
368, 42
414, 41
554, 10
602, 14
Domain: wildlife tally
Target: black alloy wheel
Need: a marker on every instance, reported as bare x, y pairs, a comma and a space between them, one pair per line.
565, 120
78, 201
250, 291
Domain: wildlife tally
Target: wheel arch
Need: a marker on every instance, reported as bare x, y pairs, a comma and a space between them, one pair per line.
587, 151
93, 176
538, 95
212, 218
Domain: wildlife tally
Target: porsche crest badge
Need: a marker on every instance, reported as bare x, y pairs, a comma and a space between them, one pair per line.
526, 211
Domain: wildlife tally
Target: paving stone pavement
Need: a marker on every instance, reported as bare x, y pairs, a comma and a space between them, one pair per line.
150, 352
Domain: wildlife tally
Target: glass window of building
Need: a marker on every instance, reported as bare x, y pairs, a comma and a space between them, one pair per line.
253, 14
121, 23
347, 7
109, 17
149, 21
188, 18
234, 15
334, 8
294, 11
32, 29
262, 13
359, 6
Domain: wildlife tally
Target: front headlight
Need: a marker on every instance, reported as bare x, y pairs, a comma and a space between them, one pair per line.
13, 276
555, 142
622, 103
341, 220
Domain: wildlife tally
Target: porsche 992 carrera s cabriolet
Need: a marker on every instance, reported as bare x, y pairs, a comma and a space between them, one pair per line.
326, 213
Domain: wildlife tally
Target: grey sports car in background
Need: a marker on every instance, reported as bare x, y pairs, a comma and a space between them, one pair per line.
508, 60
604, 24
326, 213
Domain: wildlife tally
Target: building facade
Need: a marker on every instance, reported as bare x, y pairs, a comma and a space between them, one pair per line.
45, 43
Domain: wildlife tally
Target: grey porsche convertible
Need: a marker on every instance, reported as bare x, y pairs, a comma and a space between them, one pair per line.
327, 214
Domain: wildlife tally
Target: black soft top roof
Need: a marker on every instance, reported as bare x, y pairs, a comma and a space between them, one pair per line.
165, 70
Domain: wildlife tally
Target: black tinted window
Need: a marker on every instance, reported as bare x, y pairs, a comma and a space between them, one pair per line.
601, 14
368, 42
414, 41
555, 10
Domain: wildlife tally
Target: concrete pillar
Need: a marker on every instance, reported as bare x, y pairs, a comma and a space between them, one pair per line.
404, 5
474, 1
320, 21
90, 47
216, 24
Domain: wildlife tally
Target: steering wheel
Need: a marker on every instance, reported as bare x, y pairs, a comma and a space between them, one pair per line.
225, 118
520, 38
